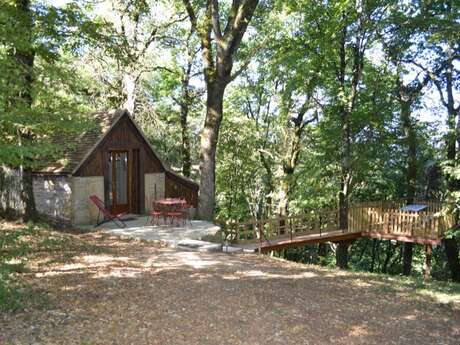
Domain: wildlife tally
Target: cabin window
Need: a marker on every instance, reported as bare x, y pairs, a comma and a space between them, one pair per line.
118, 179
122, 177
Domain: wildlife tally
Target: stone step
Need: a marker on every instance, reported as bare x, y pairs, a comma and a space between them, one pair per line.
200, 246
230, 249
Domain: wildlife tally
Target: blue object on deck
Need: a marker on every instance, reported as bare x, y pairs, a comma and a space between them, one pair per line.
413, 207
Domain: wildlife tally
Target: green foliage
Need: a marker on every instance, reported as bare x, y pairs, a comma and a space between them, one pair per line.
293, 49
42, 97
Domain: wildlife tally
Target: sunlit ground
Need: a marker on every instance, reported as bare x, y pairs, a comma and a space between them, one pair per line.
105, 290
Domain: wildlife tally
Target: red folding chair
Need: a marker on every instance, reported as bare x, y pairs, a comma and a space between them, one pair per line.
155, 213
107, 215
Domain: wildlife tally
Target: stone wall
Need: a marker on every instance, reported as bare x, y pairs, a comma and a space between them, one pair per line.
53, 197
83, 210
154, 189
10, 192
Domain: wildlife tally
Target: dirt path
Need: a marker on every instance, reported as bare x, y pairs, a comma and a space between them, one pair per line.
140, 293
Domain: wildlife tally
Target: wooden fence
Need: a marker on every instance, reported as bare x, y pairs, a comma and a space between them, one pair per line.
388, 218
384, 218
281, 227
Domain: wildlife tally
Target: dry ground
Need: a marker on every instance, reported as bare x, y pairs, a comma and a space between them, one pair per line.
103, 290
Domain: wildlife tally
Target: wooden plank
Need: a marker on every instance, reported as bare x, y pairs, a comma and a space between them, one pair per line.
309, 239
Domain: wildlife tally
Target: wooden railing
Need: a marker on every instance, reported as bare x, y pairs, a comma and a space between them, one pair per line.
387, 218
281, 227
371, 217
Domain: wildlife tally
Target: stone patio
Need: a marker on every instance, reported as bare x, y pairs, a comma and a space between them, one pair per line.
138, 227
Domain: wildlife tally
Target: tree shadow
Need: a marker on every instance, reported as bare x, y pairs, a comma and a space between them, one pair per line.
161, 295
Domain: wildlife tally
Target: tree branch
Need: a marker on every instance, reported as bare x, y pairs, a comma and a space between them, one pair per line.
248, 60
216, 20
191, 14
241, 15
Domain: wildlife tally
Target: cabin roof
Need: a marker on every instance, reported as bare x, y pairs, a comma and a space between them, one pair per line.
78, 148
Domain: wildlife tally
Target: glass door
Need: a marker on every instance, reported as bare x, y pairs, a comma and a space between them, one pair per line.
118, 181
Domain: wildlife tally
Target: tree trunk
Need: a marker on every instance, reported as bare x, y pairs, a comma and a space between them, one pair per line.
185, 147
407, 258
451, 248
209, 137
24, 55
27, 196
322, 250
453, 136
427, 266
218, 50
129, 92
342, 248
411, 172
411, 145
375, 248
293, 139
283, 207
389, 254
345, 149
341, 254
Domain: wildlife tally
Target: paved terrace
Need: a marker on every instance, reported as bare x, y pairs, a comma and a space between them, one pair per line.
138, 227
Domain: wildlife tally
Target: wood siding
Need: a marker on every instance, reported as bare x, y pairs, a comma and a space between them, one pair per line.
176, 186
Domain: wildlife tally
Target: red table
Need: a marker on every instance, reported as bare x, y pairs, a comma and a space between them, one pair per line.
173, 208
171, 202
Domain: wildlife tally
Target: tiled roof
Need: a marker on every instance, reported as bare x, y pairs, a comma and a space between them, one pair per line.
77, 146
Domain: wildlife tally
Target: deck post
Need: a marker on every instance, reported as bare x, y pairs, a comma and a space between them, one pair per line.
427, 266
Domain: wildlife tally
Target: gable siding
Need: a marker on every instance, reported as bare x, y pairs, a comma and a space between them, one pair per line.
124, 136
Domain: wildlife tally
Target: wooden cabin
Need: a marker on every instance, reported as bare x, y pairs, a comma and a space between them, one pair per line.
112, 160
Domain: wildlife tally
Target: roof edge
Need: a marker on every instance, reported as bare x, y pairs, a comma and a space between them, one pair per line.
121, 113
163, 164
118, 112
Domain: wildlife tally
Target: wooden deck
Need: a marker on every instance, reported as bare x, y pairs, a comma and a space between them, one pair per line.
384, 220
297, 241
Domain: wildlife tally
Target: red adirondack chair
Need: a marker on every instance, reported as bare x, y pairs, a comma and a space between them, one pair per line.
107, 216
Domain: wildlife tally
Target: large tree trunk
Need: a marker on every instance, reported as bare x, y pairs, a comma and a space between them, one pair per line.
346, 108
209, 138
450, 245
24, 56
219, 49
451, 248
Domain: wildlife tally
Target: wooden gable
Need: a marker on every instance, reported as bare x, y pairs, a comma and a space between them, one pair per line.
124, 135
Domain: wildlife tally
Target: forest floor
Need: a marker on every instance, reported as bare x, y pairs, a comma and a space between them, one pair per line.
101, 289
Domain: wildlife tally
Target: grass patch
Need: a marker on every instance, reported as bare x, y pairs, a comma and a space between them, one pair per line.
438, 292
13, 250
19, 245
